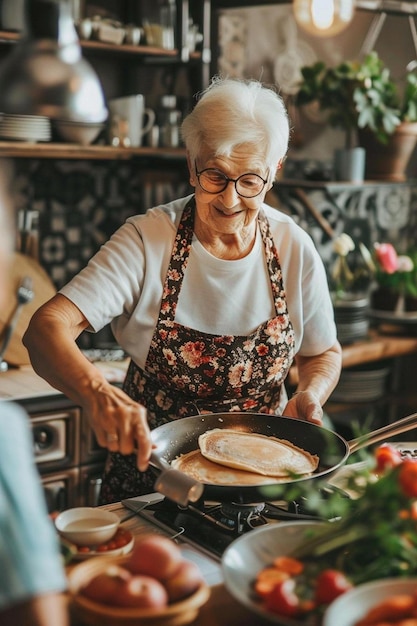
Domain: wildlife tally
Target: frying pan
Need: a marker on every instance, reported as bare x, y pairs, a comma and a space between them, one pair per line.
181, 436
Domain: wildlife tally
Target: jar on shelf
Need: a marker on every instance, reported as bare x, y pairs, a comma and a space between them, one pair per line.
169, 121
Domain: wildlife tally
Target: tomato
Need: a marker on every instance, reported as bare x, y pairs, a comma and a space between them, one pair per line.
282, 599
330, 584
289, 565
386, 457
408, 478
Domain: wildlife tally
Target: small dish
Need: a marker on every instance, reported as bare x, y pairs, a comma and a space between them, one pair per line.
87, 526
84, 552
352, 606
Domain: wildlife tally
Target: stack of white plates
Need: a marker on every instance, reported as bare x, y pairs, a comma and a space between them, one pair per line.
362, 384
25, 127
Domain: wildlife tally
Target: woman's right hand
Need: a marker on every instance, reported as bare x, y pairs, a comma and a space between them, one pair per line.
119, 423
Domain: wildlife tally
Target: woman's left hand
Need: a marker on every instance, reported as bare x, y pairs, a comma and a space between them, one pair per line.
306, 406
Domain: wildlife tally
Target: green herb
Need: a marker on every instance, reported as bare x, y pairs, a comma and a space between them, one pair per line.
374, 534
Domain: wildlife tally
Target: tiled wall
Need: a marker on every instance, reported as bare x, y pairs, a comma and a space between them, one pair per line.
81, 203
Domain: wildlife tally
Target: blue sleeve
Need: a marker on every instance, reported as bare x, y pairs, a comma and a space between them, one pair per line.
29, 547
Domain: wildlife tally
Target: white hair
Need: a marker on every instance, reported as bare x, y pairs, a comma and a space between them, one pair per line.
233, 112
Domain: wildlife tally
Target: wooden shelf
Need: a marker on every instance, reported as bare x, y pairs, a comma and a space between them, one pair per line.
31, 150
11, 37
375, 348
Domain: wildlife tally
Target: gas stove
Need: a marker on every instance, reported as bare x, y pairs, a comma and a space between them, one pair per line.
211, 526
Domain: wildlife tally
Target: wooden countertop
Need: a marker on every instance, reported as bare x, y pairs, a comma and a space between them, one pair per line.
221, 609
22, 382
376, 347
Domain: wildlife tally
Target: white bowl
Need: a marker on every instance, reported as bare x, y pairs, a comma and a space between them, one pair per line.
83, 133
253, 551
352, 606
87, 526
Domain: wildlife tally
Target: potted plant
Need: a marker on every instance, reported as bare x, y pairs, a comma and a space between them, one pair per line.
395, 279
361, 98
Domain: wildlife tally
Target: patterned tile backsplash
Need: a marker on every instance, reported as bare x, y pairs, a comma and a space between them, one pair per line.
82, 203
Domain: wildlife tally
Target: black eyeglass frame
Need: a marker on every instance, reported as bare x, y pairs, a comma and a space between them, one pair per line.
228, 180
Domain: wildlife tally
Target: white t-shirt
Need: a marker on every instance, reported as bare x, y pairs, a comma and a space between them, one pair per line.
123, 284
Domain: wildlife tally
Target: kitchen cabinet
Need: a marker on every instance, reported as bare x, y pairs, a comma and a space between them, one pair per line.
67, 455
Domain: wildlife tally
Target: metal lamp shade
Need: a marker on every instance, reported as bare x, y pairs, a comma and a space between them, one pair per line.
45, 74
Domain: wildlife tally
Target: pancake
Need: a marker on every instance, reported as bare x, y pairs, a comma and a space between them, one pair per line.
195, 465
251, 452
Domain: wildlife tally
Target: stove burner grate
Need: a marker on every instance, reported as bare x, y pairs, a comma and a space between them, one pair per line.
213, 526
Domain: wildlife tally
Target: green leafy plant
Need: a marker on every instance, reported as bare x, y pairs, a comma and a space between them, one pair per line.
360, 94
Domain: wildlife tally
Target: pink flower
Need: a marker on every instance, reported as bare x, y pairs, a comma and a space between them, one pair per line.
387, 257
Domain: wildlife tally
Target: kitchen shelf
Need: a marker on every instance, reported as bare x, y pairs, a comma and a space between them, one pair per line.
31, 150
11, 37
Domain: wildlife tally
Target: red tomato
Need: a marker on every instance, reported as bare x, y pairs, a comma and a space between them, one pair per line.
408, 477
102, 548
330, 584
386, 457
282, 599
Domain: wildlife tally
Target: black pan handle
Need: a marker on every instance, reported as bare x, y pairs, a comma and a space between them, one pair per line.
396, 428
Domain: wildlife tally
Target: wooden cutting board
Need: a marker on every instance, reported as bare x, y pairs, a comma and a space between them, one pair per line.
43, 288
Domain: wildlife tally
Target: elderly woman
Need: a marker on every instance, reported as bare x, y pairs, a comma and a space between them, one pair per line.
213, 296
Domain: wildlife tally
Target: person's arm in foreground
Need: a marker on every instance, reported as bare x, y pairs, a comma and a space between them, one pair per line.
32, 577
55, 356
317, 377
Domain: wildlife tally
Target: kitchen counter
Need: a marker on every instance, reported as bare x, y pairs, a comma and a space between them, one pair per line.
221, 609
21, 383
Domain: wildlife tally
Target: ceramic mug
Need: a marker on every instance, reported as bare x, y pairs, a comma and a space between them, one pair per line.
130, 114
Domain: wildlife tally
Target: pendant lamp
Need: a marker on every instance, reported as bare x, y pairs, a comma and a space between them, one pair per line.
324, 18
45, 73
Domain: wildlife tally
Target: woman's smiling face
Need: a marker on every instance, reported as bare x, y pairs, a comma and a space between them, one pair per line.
226, 212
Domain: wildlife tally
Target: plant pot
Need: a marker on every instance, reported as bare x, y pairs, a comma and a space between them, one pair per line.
349, 164
389, 161
384, 299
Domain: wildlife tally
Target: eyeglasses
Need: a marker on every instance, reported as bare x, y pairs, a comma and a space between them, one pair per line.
212, 180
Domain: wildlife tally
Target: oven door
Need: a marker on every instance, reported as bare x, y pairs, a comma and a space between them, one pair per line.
61, 489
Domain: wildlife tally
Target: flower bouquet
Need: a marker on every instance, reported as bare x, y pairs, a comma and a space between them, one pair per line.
396, 279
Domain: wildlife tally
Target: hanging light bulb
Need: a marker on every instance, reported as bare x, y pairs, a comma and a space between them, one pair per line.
323, 18
45, 74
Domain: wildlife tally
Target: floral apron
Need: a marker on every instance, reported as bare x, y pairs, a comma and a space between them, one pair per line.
189, 372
